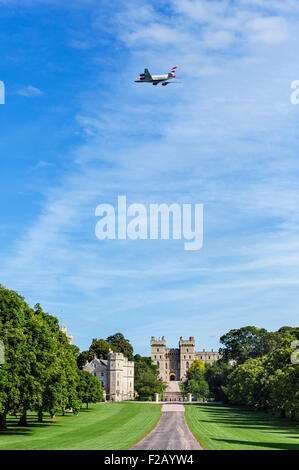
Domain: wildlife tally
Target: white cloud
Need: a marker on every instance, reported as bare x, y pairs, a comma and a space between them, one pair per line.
269, 30
40, 164
29, 91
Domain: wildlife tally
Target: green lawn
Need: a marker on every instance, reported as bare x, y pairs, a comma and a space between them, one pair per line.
108, 426
220, 427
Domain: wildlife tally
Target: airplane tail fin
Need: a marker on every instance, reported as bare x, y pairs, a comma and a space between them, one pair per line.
171, 73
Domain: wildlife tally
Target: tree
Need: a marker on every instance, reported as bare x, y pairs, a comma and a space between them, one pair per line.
216, 375
243, 383
100, 349
198, 387
146, 380
16, 372
284, 393
196, 366
284, 390
90, 390
248, 342
122, 345
82, 358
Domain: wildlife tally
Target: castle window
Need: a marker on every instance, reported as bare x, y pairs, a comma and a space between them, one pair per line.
158, 364
102, 374
187, 365
187, 350
94, 366
118, 383
189, 357
157, 349
95, 374
160, 357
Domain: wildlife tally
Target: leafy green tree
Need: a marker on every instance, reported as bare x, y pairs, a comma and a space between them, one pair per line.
216, 375
198, 386
82, 358
284, 393
121, 344
58, 370
283, 390
146, 381
242, 384
90, 390
196, 366
248, 342
100, 349
16, 372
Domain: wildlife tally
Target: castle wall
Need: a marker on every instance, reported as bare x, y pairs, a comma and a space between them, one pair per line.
173, 363
116, 375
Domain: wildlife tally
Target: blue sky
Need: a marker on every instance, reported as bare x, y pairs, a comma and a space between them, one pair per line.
76, 131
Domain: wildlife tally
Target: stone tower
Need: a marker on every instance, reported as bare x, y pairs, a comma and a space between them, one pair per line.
173, 363
187, 355
158, 354
120, 377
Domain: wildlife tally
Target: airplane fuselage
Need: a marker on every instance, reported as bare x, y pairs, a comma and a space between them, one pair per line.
155, 78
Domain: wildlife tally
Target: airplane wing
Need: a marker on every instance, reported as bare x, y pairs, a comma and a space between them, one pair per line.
147, 75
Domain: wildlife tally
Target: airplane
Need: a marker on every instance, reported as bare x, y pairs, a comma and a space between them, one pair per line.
155, 79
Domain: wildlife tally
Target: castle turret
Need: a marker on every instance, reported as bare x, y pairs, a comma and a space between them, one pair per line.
158, 355
121, 377
63, 329
187, 355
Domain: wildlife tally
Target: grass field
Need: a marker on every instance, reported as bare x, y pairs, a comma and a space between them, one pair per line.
108, 426
220, 427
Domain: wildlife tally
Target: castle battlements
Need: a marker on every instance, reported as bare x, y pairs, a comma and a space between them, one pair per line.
173, 363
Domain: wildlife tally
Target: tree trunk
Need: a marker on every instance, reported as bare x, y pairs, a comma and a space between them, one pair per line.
23, 419
3, 421
293, 415
87, 405
40, 417
283, 413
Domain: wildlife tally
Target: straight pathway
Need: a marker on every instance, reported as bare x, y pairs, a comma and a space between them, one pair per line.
171, 433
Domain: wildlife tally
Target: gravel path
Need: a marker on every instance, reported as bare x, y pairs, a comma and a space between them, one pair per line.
171, 433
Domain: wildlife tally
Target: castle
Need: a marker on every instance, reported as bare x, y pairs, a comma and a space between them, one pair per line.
70, 338
116, 375
173, 363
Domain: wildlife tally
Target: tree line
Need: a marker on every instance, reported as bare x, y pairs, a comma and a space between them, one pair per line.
40, 371
255, 370
43, 373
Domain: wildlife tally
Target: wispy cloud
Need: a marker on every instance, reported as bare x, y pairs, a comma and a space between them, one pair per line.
29, 91
227, 138
40, 164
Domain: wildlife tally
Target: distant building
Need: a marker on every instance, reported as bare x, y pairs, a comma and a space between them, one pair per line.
173, 363
116, 375
63, 329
